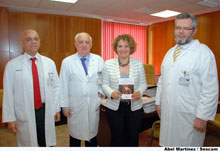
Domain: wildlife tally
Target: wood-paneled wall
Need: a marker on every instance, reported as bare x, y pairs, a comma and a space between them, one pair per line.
161, 38
4, 41
57, 36
56, 33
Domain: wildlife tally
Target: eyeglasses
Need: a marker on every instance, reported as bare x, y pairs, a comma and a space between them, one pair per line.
183, 29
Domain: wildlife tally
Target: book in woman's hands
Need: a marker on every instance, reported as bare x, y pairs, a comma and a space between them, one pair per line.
126, 87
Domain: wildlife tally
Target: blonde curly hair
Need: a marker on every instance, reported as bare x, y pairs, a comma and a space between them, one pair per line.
125, 37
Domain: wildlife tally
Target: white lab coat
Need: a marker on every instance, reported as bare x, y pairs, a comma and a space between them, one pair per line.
18, 101
181, 104
80, 93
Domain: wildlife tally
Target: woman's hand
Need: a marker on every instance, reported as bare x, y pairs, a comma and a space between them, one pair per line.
136, 95
116, 95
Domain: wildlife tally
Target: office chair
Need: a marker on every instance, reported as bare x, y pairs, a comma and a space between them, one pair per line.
216, 122
154, 132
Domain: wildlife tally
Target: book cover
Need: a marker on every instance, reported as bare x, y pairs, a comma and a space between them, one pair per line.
126, 87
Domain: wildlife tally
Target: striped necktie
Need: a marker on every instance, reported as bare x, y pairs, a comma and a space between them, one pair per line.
176, 52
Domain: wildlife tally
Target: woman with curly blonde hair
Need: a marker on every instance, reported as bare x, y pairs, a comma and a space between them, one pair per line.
124, 116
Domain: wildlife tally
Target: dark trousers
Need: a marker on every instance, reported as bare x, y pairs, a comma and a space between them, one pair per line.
77, 143
124, 125
40, 125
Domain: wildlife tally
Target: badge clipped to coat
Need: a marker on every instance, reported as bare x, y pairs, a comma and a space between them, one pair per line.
99, 80
50, 78
185, 80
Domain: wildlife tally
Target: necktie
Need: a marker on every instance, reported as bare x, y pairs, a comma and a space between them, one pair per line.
37, 96
176, 53
84, 65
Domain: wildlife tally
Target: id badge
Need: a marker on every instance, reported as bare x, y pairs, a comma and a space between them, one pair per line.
185, 80
99, 79
50, 79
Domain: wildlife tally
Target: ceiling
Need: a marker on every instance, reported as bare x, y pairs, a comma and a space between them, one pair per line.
129, 11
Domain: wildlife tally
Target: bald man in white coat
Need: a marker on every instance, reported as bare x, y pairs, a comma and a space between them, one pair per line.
33, 126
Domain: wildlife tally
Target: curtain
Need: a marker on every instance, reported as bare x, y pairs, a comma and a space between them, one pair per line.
110, 30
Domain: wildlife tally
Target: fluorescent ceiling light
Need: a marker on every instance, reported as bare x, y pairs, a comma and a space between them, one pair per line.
210, 3
65, 1
165, 14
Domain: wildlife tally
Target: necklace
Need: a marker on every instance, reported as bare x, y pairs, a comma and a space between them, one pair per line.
123, 65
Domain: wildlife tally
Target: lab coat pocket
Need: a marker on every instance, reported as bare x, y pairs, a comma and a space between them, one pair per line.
185, 76
77, 105
73, 77
186, 104
20, 112
19, 78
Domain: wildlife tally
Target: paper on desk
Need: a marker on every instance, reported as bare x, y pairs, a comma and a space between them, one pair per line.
148, 99
149, 104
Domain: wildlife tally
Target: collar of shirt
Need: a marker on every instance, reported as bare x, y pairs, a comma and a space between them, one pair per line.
87, 57
28, 57
185, 46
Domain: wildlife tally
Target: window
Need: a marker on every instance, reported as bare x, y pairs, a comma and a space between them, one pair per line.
110, 30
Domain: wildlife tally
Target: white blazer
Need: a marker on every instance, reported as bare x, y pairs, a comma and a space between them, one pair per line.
80, 93
111, 75
18, 99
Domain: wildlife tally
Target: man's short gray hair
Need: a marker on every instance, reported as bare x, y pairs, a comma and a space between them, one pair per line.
82, 33
186, 16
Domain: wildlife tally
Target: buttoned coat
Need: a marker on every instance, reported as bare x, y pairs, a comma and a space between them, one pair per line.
80, 93
182, 102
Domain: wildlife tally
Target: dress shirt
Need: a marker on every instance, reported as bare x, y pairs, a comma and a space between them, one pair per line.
38, 62
86, 61
183, 47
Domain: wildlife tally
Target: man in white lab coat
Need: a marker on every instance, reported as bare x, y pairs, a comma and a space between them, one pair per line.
188, 90
34, 125
81, 91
